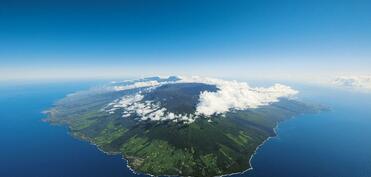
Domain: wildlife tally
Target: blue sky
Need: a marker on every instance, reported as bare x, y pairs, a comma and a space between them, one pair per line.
299, 40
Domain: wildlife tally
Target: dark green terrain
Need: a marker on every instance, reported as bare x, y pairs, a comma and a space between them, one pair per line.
203, 148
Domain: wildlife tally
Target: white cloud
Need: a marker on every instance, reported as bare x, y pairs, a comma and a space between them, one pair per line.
136, 85
133, 105
230, 95
150, 82
236, 95
354, 82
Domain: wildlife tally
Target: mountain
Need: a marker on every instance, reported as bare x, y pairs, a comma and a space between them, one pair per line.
156, 124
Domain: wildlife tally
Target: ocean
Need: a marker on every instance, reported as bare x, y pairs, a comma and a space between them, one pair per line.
335, 143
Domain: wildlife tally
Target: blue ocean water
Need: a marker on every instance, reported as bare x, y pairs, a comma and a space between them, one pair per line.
329, 144
30, 147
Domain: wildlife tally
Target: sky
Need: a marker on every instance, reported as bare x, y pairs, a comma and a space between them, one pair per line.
247, 39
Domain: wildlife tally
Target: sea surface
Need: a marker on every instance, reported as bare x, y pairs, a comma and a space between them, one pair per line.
336, 143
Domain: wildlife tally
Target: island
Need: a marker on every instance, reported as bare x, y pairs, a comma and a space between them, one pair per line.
156, 125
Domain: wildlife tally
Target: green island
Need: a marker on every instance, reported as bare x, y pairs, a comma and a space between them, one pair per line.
210, 146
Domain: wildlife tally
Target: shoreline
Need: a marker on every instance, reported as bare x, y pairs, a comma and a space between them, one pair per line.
81, 138
255, 152
260, 145
230, 174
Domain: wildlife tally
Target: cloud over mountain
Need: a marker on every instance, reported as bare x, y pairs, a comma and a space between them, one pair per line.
236, 95
230, 95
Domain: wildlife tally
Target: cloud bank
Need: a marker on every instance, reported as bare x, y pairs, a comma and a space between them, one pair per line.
236, 95
137, 85
355, 82
231, 95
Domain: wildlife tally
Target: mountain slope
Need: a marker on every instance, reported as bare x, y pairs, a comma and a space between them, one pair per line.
211, 145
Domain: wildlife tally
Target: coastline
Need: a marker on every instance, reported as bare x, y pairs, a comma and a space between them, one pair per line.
259, 146
254, 153
81, 138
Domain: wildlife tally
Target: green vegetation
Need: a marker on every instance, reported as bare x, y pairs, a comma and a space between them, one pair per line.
202, 148
158, 157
